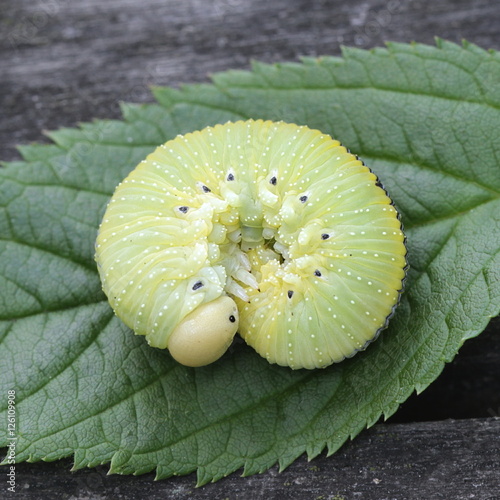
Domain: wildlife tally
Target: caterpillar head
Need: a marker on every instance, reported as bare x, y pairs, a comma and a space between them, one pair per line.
205, 334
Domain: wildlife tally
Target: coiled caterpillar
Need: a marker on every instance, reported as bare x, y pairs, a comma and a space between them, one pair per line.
274, 223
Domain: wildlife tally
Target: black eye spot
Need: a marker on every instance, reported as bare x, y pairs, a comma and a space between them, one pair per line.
290, 294
317, 273
273, 181
230, 177
232, 318
197, 285
183, 209
206, 189
325, 236
303, 199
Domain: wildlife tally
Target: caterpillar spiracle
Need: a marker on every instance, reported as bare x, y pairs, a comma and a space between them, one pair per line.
267, 228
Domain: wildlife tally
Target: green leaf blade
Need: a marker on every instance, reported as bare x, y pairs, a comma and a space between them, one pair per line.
425, 119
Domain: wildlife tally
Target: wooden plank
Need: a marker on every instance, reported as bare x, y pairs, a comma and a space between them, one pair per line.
456, 460
62, 62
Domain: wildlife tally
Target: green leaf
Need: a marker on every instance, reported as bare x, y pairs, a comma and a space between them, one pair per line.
425, 119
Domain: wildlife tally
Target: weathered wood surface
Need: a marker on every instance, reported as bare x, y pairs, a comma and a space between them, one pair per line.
451, 460
63, 62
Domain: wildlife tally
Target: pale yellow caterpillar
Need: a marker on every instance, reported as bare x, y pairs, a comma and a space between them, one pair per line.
270, 229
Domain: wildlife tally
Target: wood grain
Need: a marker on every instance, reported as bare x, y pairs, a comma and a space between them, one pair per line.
62, 62
452, 460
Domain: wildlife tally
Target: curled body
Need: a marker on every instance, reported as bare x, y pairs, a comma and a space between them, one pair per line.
273, 224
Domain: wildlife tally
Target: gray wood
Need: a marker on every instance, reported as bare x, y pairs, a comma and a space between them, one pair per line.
63, 62
451, 460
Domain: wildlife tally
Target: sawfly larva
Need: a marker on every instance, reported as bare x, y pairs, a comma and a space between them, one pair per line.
267, 228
